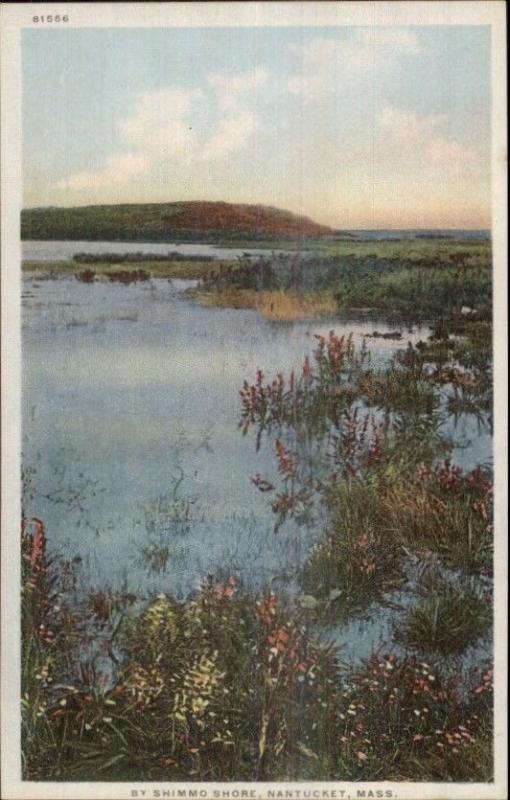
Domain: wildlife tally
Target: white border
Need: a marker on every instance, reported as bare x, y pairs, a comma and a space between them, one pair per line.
13, 18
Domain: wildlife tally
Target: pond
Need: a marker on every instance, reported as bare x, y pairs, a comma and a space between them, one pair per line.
65, 250
130, 423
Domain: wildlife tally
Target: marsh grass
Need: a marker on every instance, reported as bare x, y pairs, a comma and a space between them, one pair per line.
193, 269
227, 686
359, 560
409, 708
450, 616
277, 305
230, 684
410, 278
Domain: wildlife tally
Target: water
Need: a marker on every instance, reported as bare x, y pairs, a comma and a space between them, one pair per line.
130, 414
64, 251
408, 234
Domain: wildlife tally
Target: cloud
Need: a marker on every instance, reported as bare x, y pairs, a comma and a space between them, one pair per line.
231, 89
118, 169
158, 131
159, 121
231, 135
329, 64
408, 133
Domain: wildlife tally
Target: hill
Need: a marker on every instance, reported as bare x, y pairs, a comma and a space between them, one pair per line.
186, 221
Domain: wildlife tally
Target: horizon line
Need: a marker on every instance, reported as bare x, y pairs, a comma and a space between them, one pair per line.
483, 228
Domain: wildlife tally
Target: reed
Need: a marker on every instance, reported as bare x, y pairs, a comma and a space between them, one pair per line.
228, 686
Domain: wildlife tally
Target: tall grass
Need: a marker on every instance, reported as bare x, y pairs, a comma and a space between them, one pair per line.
411, 279
275, 305
379, 481
450, 616
231, 686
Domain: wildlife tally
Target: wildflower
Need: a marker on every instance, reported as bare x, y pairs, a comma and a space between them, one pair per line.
38, 542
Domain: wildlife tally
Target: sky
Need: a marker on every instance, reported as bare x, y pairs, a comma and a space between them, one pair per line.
355, 127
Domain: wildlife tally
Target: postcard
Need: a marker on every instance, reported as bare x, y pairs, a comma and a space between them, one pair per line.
254, 266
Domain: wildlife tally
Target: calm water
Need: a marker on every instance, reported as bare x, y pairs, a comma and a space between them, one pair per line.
130, 409
413, 233
64, 251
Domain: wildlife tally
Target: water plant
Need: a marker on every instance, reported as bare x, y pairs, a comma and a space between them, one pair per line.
451, 615
229, 685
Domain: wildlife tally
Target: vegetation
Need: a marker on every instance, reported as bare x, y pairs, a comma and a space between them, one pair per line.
415, 280
163, 222
138, 257
226, 686
235, 685
450, 616
278, 306
186, 269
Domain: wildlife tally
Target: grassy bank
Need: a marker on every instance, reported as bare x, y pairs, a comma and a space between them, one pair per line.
413, 279
278, 305
193, 269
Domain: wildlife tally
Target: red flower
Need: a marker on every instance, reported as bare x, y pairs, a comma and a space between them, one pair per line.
38, 542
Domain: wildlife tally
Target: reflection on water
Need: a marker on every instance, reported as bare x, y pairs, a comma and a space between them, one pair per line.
130, 390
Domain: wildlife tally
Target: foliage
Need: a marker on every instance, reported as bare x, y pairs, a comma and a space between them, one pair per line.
154, 222
450, 616
232, 686
156, 266
415, 279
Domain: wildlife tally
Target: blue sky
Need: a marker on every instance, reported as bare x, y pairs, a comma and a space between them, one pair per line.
356, 127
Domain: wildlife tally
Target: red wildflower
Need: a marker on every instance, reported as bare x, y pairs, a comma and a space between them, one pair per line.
38, 542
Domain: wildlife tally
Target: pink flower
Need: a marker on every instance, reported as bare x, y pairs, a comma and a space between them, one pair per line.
38, 542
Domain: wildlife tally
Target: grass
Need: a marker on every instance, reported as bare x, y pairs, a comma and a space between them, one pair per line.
450, 616
278, 306
374, 521
378, 484
441, 289
359, 560
227, 686
232, 685
186, 270
338, 246
417, 278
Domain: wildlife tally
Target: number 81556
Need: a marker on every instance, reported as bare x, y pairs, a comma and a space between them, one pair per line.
51, 18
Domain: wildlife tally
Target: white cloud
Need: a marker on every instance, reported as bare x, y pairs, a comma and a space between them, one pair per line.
408, 133
158, 131
159, 122
118, 169
232, 89
328, 64
231, 135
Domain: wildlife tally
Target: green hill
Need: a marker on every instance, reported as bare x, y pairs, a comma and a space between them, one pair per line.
160, 222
